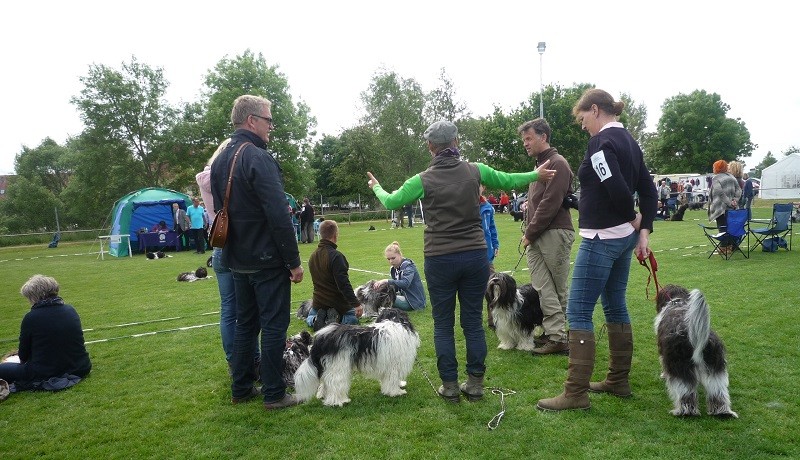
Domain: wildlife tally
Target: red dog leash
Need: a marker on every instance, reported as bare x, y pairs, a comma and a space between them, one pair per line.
652, 269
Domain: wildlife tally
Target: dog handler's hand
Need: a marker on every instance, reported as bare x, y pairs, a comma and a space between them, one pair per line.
372, 181
359, 311
545, 174
641, 250
296, 274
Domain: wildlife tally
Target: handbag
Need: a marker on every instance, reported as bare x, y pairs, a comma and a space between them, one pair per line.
219, 228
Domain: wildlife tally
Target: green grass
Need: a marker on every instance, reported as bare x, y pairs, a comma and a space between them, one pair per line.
167, 395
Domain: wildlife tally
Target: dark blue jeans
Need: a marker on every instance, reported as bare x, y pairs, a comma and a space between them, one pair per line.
464, 275
601, 271
262, 305
227, 304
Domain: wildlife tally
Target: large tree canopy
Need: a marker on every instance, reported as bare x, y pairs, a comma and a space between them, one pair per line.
694, 132
127, 108
290, 141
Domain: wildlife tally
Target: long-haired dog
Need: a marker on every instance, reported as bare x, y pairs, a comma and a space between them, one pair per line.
516, 312
375, 299
200, 273
372, 299
384, 350
298, 348
691, 353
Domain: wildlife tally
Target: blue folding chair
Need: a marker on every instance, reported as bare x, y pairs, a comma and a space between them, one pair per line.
733, 236
775, 234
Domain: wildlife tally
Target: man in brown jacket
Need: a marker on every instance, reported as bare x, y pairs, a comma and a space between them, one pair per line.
333, 297
549, 235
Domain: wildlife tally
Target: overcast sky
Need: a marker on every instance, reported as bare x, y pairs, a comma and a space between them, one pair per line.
329, 52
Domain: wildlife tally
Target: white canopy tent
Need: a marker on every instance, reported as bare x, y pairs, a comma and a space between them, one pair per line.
782, 179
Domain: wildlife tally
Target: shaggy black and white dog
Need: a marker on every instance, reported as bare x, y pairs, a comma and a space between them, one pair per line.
298, 348
375, 299
198, 274
384, 350
678, 216
516, 312
691, 353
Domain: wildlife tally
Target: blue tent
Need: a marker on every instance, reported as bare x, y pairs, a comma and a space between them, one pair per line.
142, 209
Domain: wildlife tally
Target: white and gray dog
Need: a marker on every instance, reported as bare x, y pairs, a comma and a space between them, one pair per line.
691, 353
298, 349
372, 299
385, 350
516, 312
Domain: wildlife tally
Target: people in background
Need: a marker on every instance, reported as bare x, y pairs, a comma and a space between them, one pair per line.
197, 219
160, 227
723, 196
180, 223
51, 352
405, 279
307, 222
747, 195
492, 241
504, 201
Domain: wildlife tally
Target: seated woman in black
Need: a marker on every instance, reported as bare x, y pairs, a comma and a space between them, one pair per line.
52, 355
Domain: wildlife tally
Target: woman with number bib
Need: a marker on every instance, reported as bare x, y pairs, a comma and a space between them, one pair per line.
611, 172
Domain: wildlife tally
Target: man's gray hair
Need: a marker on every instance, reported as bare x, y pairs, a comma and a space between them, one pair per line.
39, 287
247, 105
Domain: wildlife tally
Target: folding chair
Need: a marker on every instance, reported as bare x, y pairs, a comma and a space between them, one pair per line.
778, 228
734, 235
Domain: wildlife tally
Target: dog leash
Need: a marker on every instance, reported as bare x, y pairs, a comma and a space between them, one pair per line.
521, 255
652, 269
502, 392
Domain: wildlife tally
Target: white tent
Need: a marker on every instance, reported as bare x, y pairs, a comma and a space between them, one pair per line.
781, 180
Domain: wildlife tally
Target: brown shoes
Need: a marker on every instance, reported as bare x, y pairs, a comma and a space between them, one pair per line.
243, 399
288, 400
551, 347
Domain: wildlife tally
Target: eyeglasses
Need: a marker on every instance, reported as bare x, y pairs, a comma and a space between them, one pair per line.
267, 119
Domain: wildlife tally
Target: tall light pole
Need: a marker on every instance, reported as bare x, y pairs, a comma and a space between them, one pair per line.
541, 46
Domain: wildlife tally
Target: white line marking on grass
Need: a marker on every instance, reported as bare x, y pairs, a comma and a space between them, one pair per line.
145, 334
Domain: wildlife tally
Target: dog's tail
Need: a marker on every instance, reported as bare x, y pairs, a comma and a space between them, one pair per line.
698, 322
306, 381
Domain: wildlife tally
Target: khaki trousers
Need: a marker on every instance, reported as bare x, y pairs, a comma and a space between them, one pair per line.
548, 262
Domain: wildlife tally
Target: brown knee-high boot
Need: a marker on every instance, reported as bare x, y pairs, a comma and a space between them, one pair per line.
620, 353
581, 364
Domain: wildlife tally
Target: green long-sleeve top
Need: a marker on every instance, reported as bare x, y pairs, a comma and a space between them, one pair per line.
450, 194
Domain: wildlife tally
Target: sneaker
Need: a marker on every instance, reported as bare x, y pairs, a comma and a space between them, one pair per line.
288, 400
243, 399
541, 340
551, 347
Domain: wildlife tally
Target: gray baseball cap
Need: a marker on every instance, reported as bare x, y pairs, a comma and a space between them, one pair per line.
441, 132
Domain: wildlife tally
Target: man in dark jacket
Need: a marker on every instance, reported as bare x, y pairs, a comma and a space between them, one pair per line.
549, 235
333, 299
261, 251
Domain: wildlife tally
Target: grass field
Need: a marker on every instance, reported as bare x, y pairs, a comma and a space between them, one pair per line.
159, 386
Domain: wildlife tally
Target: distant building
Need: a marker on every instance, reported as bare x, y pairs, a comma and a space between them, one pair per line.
4, 185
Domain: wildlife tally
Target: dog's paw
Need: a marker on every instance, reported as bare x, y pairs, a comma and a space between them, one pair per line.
395, 393
525, 347
726, 414
685, 412
505, 346
403, 384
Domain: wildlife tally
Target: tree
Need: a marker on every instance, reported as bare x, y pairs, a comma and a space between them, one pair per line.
441, 103
395, 109
634, 117
503, 145
290, 141
694, 132
768, 160
28, 206
46, 165
127, 108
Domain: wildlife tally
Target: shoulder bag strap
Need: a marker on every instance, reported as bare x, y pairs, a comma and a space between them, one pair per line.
230, 175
